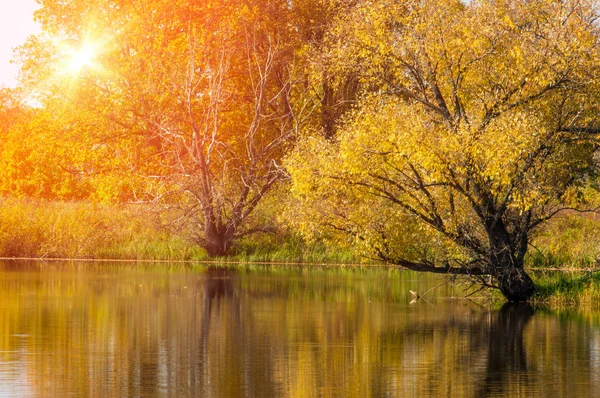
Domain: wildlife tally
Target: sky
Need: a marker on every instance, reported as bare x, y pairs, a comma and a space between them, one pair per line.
16, 23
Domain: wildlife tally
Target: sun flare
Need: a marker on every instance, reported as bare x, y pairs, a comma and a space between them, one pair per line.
81, 58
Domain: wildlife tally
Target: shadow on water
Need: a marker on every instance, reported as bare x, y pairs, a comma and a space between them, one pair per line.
233, 361
214, 290
223, 323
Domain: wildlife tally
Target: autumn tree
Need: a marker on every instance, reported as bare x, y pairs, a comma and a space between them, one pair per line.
200, 90
476, 124
28, 168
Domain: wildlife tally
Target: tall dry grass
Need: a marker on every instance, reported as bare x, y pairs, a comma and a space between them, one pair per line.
82, 230
40, 229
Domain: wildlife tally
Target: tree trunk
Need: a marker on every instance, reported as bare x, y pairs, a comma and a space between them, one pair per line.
507, 267
327, 111
216, 246
515, 284
218, 239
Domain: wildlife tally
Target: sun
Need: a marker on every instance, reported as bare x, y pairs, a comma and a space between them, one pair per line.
81, 58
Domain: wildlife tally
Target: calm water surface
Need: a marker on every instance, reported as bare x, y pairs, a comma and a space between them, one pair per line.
102, 330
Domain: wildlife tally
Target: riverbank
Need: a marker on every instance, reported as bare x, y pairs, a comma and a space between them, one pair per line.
46, 230
79, 230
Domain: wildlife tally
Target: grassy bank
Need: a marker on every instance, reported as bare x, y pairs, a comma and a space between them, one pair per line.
290, 248
559, 289
41, 229
570, 243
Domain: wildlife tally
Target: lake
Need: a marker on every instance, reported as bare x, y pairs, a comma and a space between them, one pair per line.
110, 330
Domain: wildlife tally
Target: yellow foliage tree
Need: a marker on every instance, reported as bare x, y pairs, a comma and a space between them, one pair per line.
476, 120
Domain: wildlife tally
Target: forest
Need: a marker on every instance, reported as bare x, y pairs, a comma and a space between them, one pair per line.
453, 137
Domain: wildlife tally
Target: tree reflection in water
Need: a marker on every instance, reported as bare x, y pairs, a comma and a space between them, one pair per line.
506, 357
217, 286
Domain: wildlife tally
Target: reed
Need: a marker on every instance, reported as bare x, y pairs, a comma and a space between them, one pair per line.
291, 248
568, 289
40, 229
44, 229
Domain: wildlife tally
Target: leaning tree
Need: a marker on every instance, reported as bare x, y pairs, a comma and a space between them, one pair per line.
477, 122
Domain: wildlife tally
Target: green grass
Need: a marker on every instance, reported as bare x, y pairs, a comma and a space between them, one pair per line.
82, 230
289, 248
569, 242
567, 289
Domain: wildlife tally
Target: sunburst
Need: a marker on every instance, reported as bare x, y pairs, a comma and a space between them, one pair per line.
81, 58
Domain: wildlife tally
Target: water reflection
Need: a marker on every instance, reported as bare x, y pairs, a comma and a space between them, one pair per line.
506, 355
268, 332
